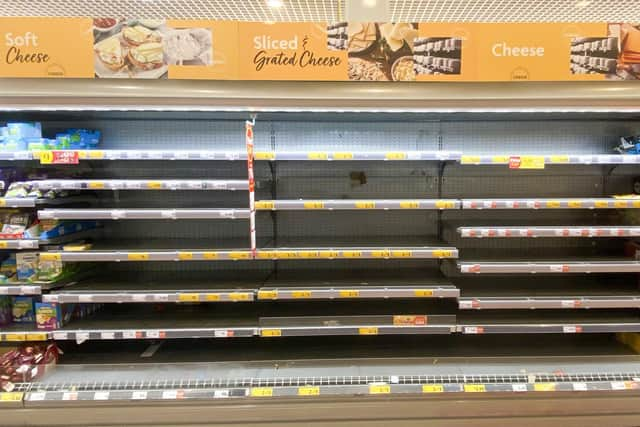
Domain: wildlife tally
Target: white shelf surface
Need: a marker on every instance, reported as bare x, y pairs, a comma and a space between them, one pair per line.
140, 184
552, 203
115, 214
555, 267
548, 231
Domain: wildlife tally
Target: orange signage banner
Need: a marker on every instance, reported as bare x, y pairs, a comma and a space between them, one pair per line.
344, 51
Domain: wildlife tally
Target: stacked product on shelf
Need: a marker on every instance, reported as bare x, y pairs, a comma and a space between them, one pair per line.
594, 55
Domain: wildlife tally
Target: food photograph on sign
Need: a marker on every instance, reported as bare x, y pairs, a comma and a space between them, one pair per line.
145, 48
437, 55
377, 51
615, 57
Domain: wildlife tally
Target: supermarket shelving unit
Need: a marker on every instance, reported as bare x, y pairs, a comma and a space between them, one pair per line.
385, 241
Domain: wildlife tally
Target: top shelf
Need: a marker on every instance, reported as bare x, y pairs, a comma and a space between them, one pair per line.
540, 160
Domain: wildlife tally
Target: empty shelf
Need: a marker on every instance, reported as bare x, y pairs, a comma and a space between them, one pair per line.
586, 266
140, 184
115, 214
552, 203
276, 205
548, 231
552, 159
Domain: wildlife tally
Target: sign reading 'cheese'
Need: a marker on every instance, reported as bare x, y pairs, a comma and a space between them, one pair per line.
343, 51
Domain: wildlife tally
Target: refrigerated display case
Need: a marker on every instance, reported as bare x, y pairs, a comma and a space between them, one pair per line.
403, 271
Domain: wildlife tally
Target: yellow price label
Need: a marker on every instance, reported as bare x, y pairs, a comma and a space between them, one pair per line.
470, 160
3, 202
352, 254
95, 154
379, 389
559, 159
38, 336
574, 204
432, 388
268, 294
285, 254
270, 332
601, 204
401, 254
188, 297
329, 254
266, 254
210, 255
317, 155
212, 297
368, 204
553, 204
265, 205
308, 254
544, 387
261, 392
4, 244
442, 253
636, 203
154, 185
185, 256
309, 391
620, 204
46, 157
315, 204
239, 296
475, 388
381, 254
301, 294
138, 256
82, 154
46, 256
445, 204
264, 155
423, 293
369, 330
349, 293
239, 255
395, 155
96, 185
500, 159
409, 204
532, 162
15, 337
15, 396
345, 155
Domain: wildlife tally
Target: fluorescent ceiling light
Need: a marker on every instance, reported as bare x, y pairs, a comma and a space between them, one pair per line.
583, 3
274, 3
369, 3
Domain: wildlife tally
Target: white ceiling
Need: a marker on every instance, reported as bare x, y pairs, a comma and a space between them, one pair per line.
333, 10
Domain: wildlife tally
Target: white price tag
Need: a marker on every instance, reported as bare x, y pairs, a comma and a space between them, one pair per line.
580, 386
118, 214
220, 333
557, 268
37, 396
134, 185
129, 335
70, 395
394, 379
532, 204
4, 290
152, 334
466, 232
220, 393
473, 330
618, 385
60, 336
138, 297
484, 232
570, 329
101, 395
85, 298
169, 214
107, 335
519, 387
82, 337
195, 185
575, 232
170, 394
510, 204
230, 213
488, 204
139, 395
161, 297
465, 304
568, 303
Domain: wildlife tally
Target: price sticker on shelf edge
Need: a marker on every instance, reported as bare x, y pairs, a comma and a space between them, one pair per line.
442, 253
270, 332
46, 256
381, 254
368, 330
401, 254
268, 294
308, 254
138, 256
59, 157
349, 293
261, 392
559, 159
15, 396
352, 254
620, 204
445, 204
16, 337
239, 255
423, 293
500, 160
301, 294
571, 329
432, 388
574, 204
410, 204
212, 297
365, 204
470, 160
475, 388
317, 155
185, 256
473, 330
264, 155
309, 391
601, 204
544, 386
526, 162
37, 336
265, 205
379, 389
395, 155
240, 296
189, 297
344, 155
553, 204
314, 204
